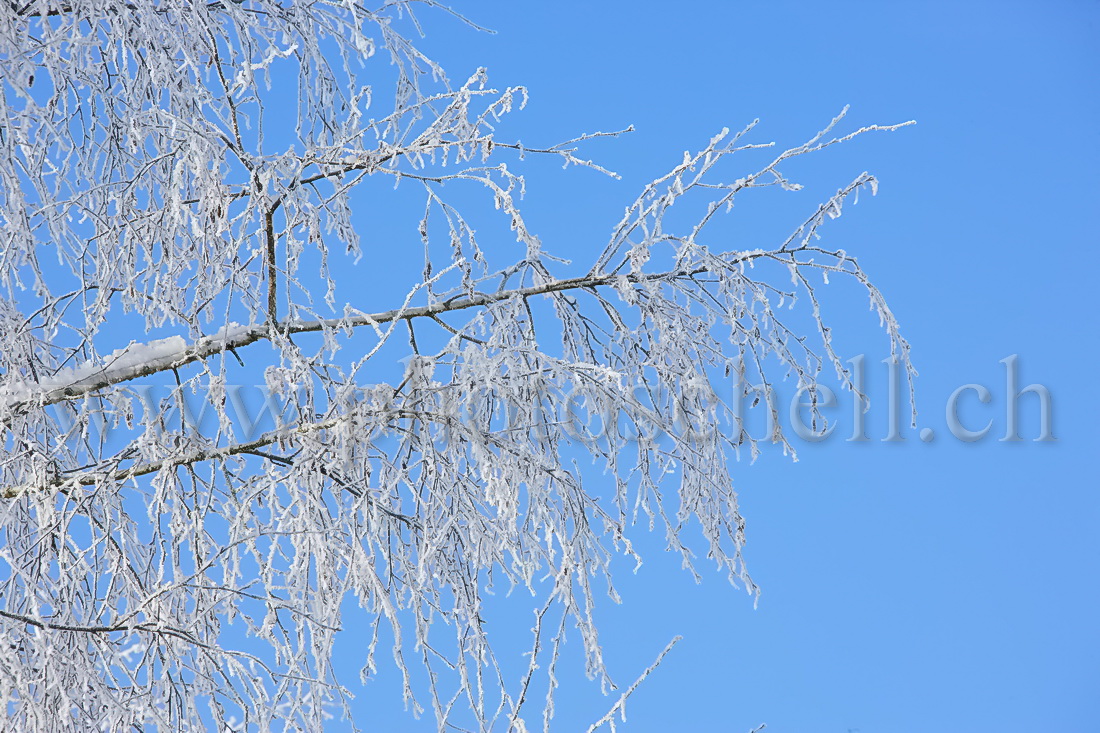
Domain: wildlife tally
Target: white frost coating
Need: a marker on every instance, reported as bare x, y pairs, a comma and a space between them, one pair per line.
169, 525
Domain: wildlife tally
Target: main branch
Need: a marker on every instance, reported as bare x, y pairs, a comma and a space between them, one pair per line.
21, 398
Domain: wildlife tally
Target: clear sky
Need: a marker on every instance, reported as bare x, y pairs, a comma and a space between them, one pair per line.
908, 586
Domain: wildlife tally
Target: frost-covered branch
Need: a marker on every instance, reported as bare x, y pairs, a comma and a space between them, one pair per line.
142, 360
619, 708
170, 171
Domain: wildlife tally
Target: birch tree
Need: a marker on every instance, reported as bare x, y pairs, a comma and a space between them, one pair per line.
178, 188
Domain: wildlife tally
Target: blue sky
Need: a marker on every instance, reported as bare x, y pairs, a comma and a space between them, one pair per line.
907, 586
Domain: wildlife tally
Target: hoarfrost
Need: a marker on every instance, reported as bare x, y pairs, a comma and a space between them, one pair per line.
147, 176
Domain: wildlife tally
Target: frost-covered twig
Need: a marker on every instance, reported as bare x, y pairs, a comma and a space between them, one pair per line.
620, 706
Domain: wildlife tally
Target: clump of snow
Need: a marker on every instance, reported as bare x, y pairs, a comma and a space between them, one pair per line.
129, 362
227, 333
122, 363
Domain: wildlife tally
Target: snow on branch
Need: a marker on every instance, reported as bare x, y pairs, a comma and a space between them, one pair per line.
185, 168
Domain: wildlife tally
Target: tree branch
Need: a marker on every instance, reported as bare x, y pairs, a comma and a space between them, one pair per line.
208, 346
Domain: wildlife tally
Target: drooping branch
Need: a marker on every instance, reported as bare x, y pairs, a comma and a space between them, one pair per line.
160, 164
